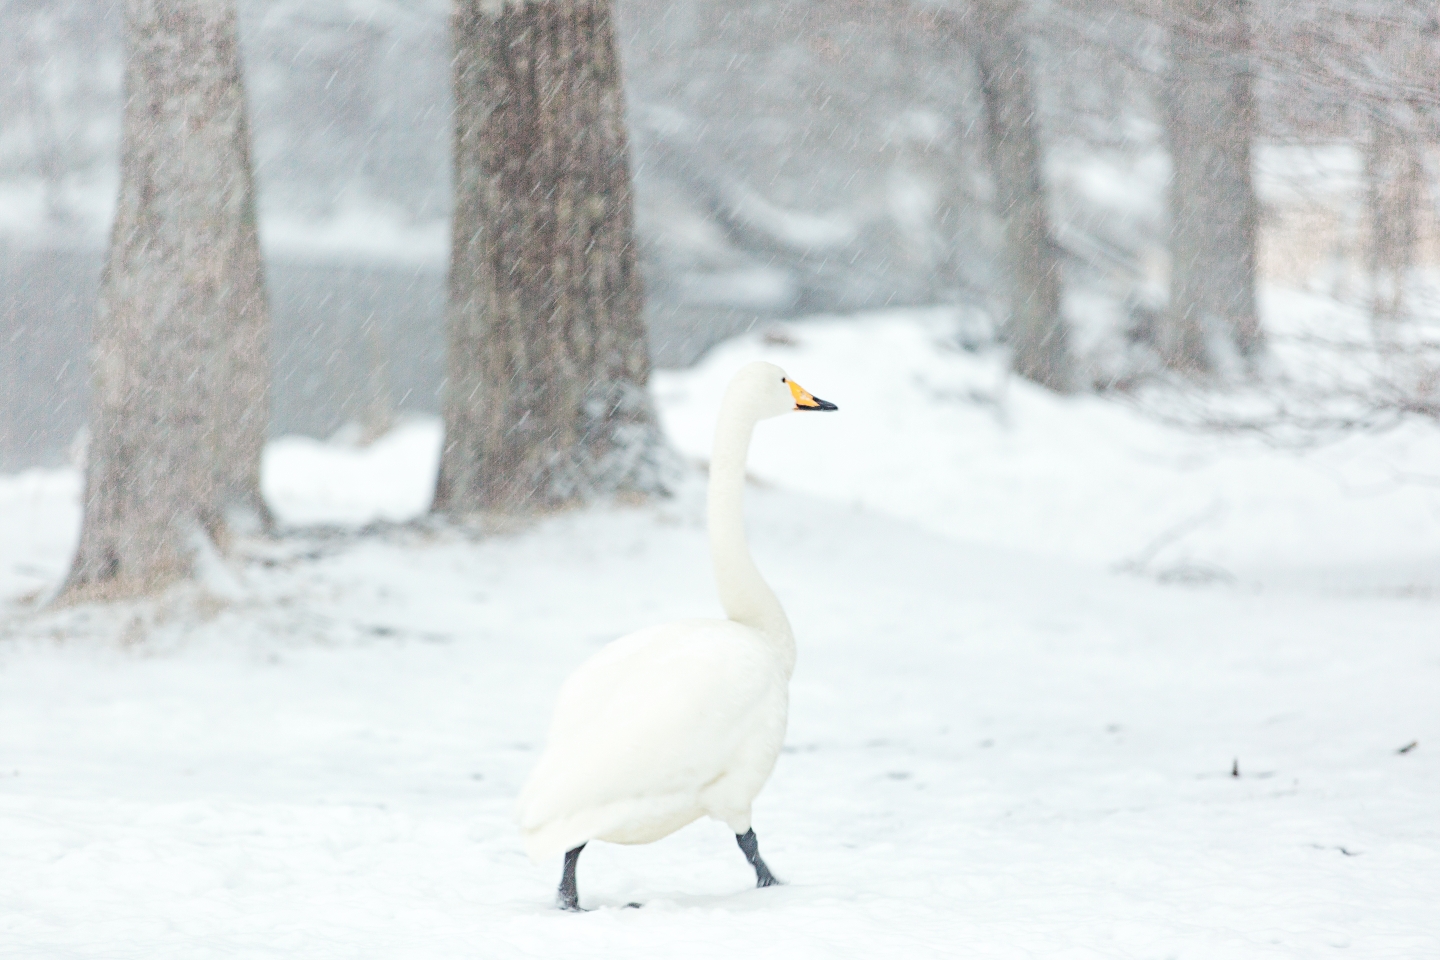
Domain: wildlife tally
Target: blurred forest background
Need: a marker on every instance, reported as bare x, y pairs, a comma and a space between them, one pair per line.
790, 158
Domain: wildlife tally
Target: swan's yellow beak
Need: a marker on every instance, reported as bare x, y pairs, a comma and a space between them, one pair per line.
804, 400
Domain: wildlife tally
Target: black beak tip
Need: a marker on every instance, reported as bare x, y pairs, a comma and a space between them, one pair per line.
821, 405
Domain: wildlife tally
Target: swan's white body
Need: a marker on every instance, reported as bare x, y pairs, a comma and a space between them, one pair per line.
684, 719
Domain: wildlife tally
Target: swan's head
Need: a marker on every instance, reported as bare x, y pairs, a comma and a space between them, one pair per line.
768, 392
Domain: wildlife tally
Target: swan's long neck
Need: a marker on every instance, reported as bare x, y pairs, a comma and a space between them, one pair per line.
743, 592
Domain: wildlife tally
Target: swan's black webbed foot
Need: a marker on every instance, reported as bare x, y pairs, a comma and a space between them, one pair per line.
567, 897
751, 848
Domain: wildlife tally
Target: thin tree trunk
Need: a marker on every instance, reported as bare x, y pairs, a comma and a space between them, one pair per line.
545, 401
179, 397
1211, 121
1035, 329
1394, 181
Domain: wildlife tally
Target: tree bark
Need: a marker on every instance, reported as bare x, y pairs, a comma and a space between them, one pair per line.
241, 369
180, 368
1211, 124
1035, 328
545, 400
1394, 187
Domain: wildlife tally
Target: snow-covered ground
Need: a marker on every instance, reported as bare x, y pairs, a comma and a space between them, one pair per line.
950, 442
1035, 636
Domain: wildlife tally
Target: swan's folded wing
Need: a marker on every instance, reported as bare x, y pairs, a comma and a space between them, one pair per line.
657, 713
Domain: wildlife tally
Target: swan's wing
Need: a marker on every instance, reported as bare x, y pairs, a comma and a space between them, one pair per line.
654, 714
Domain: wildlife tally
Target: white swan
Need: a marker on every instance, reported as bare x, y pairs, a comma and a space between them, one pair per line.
684, 719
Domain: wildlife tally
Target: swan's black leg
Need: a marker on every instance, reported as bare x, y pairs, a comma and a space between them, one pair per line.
751, 848
568, 898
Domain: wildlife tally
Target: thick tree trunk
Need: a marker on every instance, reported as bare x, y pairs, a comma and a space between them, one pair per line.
1035, 329
1211, 120
546, 400
179, 397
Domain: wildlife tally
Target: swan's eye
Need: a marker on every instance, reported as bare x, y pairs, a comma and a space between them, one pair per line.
783, 380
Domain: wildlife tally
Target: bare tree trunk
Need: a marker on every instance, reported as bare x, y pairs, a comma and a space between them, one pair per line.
1035, 329
179, 396
240, 374
1394, 180
546, 398
1211, 122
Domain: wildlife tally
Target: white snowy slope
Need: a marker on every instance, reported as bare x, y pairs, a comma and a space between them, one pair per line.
993, 751
950, 441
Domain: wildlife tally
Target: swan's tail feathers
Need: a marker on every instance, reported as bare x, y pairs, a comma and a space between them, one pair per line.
632, 820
